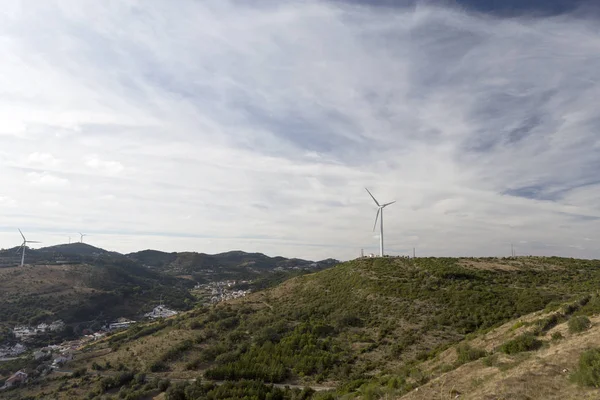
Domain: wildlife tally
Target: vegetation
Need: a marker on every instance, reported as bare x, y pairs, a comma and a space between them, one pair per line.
371, 327
465, 353
344, 323
588, 372
579, 324
524, 342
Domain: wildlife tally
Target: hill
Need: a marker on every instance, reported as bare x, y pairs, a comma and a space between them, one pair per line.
78, 282
230, 265
372, 327
103, 290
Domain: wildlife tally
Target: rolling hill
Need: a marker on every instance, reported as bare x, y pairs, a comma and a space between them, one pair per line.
229, 265
374, 327
78, 282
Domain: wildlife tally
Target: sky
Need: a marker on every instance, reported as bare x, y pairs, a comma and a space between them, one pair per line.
221, 125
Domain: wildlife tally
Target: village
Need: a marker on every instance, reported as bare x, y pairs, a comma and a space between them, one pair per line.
216, 292
53, 357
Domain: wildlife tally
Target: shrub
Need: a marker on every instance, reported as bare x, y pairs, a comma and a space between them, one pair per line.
163, 384
465, 353
588, 371
545, 324
490, 360
579, 324
557, 336
159, 366
524, 342
80, 372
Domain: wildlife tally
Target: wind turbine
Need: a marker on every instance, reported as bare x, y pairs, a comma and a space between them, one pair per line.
81, 236
379, 211
24, 246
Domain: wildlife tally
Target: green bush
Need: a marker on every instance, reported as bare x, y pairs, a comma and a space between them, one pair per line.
588, 371
164, 384
465, 353
579, 324
524, 342
557, 336
490, 360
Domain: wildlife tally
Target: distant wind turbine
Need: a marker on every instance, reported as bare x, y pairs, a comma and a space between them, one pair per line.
379, 211
24, 246
81, 235
69, 239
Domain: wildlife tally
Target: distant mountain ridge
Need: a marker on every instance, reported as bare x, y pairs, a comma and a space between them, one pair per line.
232, 262
167, 262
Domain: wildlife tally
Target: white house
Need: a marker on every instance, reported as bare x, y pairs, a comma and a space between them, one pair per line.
122, 324
56, 326
161, 312
23, 332
17, 378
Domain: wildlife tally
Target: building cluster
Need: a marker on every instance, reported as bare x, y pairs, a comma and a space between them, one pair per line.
12, 351
221, 291
48, 358
160, 311
28, 332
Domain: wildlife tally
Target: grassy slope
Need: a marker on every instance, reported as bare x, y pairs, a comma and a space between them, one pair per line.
378, 326
360, 321
540, 374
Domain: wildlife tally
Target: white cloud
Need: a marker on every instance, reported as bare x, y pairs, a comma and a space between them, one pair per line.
43, 159
46, 179
264, 124
110, 167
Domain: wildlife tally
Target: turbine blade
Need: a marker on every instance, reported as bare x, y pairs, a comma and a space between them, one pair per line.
33, 241
376, 217
19, 249
376, 202
387, 204
23, 236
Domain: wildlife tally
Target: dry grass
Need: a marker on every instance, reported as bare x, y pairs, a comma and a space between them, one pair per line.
543, 374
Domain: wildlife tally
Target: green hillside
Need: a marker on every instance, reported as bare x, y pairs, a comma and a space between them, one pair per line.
76, 293
363, 323
236, 265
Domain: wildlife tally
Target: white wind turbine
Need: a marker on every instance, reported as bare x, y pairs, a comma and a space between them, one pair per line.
81, 235
24, 246
379, 211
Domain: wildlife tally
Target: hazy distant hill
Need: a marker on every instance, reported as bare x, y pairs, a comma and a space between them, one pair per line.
63, 253
229, 265
79, 249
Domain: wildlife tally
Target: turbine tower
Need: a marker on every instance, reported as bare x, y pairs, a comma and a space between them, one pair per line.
81, 235
379, 211
24, 246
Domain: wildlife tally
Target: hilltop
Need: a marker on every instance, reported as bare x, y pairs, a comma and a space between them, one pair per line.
388, 325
